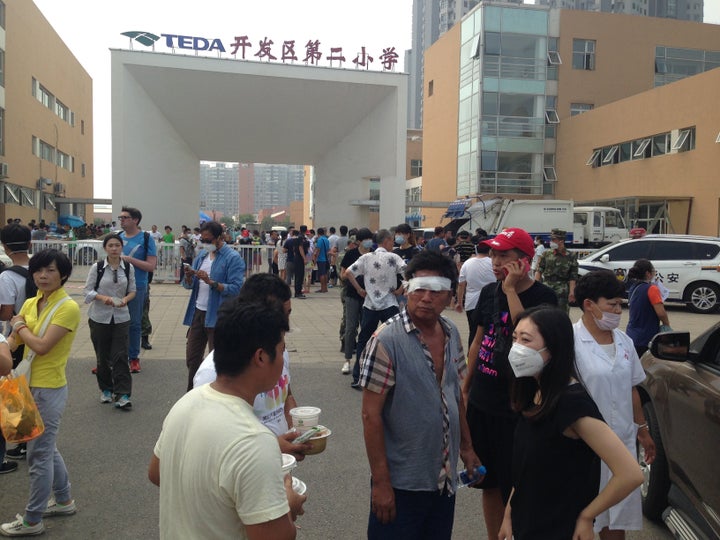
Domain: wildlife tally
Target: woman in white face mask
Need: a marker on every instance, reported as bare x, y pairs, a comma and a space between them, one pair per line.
559, 440
610, 369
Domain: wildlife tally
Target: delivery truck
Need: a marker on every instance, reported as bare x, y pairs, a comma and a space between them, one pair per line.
586, 226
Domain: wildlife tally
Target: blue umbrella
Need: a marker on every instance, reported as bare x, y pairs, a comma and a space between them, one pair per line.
204, 216
73, 221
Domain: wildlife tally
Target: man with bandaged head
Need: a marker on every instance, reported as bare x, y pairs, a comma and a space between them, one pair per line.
413, 411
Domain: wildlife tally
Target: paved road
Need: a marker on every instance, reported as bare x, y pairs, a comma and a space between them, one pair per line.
107, 450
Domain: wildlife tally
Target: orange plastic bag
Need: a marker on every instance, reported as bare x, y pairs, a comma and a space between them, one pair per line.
20, 419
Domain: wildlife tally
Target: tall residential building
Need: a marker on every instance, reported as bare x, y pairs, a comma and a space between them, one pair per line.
277, 185
504, 82
220, 188
46, 121
246, 188
688, 10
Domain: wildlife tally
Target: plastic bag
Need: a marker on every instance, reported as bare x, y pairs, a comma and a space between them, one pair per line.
20, 419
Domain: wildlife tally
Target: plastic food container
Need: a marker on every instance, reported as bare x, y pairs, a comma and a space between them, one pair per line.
298, 486
305, 417
319, 441
288, 463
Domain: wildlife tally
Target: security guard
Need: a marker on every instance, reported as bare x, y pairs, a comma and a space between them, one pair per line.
558, 268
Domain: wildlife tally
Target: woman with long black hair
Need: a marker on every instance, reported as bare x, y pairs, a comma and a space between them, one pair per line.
559, 440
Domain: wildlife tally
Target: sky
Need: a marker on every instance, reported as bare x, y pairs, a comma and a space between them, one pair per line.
91, 27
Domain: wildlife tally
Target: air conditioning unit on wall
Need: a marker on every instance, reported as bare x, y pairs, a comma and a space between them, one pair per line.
3, 170
59, 189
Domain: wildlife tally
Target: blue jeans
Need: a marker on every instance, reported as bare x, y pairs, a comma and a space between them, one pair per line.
418, 515
46, 466
370, 321
136, 310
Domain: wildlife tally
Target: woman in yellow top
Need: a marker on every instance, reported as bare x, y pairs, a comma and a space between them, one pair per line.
50, 270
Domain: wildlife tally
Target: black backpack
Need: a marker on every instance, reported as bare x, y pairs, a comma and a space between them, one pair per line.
101, 270
30, 287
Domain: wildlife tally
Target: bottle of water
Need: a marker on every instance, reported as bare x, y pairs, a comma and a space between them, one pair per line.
464, 479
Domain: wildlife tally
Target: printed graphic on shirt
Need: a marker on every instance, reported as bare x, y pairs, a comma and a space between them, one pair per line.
486, 354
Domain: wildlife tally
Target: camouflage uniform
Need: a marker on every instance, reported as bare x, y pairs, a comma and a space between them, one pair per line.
558, 270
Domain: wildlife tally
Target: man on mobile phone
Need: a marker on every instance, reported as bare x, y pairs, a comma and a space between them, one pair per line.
558, 269
486, 389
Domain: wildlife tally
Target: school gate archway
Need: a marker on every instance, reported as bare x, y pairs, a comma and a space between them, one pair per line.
171, 111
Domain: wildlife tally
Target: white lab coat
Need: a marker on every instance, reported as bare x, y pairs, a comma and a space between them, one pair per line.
610, 382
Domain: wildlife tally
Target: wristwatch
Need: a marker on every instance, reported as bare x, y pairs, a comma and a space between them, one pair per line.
214, 285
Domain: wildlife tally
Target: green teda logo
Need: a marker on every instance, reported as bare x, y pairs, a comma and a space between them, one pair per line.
145, 38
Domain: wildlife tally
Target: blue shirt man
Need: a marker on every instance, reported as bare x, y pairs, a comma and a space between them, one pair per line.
140, 251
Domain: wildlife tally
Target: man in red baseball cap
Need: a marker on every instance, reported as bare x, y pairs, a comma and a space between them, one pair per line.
486, 388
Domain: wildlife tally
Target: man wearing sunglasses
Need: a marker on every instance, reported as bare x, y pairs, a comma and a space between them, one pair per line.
140, 251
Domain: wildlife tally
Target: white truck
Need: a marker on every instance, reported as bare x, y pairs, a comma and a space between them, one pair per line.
586, 226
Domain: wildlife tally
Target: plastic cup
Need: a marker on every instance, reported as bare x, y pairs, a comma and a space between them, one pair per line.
289, 463
299, 486
305, 417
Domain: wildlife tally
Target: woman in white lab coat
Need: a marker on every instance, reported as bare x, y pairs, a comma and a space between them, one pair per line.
610, 370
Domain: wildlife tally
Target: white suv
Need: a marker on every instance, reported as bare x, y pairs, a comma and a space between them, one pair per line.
689, 266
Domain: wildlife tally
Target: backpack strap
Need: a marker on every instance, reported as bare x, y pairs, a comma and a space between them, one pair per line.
100, 272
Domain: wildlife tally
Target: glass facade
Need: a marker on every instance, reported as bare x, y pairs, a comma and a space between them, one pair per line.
673, 64
505, 114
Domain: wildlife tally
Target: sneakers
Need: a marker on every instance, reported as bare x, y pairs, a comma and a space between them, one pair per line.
8, 467
355, 385
18, 452
346, 368
123, 402
55, 509
134, 365
20, 528
106, 396
300, 296
145, 344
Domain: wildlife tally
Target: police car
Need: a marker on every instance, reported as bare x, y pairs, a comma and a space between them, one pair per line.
688, 266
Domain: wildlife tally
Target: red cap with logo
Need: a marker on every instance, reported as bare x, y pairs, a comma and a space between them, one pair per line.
512, 238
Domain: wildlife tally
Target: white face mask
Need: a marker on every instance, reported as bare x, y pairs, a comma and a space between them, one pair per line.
367, 244
609, 321
553, 245
208, 247
400, 240
525, 361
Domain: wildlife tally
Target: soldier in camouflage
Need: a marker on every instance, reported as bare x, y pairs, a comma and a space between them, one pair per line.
558, 269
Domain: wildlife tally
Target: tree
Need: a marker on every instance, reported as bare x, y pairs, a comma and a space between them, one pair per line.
227, 221
246, 218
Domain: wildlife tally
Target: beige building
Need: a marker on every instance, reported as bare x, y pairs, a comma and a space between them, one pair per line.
504, 95
46, 134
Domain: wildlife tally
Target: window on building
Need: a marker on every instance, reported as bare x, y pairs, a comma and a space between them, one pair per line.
551, 116
62, 110
661, 144
82, 127
45, 97
584, 54
579, 108
625, 152
2, 132
2, 68
431, 85
549, 174
82, 169
2, 14
554, 58
717, 139
609, 155
594, 158
641, 147
685, 140
416, 167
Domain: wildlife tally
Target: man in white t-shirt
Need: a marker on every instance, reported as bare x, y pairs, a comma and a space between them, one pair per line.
475, 273
220, 467
272, 407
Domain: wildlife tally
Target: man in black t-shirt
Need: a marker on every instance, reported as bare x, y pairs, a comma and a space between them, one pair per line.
486, 388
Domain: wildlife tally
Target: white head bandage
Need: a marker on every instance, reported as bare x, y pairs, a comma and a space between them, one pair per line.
430, 283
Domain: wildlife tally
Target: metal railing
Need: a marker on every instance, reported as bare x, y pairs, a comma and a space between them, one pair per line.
84, 253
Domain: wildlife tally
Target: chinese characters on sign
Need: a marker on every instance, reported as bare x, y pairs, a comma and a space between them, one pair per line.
267, 50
